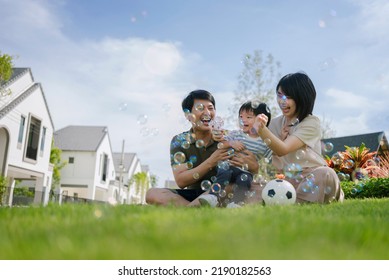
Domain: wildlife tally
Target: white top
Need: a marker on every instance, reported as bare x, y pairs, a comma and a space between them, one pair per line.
308, 131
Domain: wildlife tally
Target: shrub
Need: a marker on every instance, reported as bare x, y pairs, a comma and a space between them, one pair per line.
368, 188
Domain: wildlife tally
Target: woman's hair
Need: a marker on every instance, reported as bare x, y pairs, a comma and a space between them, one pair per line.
262, 108
187, 103
299, 87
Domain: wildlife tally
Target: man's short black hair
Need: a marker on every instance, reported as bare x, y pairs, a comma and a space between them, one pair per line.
187, 103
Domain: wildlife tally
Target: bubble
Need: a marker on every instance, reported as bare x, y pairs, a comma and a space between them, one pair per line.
322, 23
267, 141
213, 178
220, 145
123, 106
142, 119
216, 188
292, 170
98, 213
222, 193
244, 177
337, 158
179, 157
189, 165
144, 131
327, 64
241, 124
185, 144
300, 154
191, 117
193, 159
224, 165
341, 176
154, 132
206, 185
230, 195
328, 147
230, 152
255, 103
349, 164
294, 122
327, 190
217, 123
196, 175
200, 143
199, 107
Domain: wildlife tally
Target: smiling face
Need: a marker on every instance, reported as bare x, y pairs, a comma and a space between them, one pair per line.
246, 120
286, 104
201, 114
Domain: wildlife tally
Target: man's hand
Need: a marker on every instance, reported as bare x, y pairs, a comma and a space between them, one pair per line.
245, 160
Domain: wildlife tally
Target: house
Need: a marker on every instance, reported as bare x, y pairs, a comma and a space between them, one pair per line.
26, 131
376, 142
90, 172
126, 166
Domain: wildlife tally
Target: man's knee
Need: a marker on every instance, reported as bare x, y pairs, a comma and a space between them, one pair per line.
152, 196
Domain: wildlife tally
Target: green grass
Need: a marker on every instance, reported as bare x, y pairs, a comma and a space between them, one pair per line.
355, 229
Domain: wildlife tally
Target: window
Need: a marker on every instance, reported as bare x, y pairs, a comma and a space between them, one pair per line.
21, 131
71, 160
42, 141
33, 139
105, 168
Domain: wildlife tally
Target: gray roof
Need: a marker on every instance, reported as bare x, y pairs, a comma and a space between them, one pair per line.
376, 141
128, 158
80, 138
17, 73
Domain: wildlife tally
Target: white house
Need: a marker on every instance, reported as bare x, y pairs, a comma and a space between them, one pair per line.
127, 165
89, 173
26, 131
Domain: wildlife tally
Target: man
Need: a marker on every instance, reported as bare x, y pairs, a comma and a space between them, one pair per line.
194, 154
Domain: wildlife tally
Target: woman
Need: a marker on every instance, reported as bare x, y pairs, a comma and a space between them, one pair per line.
294, 137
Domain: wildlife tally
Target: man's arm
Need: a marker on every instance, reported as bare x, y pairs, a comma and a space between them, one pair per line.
184, 176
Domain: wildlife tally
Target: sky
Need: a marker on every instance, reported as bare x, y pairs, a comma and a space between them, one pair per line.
127, 64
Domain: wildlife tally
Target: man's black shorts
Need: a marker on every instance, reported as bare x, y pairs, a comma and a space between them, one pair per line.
188, 194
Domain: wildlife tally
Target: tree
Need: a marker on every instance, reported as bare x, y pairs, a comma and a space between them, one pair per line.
326, 129
257, 81
6, 71
58, 164
3, 188
142, 183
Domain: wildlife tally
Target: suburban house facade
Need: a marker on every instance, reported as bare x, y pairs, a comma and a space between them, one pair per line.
89, 169
126, 166
26, 131
92, 171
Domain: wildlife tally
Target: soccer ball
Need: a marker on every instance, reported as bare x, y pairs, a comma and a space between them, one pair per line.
279, 192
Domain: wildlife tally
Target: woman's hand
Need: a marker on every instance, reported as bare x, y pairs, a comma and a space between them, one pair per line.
260, 122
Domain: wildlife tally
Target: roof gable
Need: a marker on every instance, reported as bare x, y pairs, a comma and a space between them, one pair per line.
21, 96
128, 159
80, 138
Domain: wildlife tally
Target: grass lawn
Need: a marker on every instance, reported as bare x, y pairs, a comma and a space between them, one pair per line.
355, 229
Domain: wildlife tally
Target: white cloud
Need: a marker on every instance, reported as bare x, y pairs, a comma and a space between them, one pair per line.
373, 19
345, 99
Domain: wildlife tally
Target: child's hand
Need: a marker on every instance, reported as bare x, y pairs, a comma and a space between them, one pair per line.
237, 145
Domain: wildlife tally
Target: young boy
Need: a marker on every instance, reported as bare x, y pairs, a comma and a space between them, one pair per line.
238, 140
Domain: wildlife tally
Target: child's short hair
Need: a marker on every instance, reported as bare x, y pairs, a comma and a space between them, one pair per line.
262, 108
